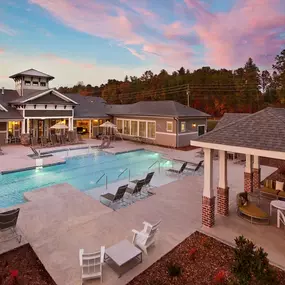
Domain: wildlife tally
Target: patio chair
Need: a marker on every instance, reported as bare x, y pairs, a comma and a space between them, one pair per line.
39, 154
147, 180
54, 140
249, 211
91, 264
8, 222
147, 237
178, 171
198, 166
71, 137
280, 218
118, 197
136, 191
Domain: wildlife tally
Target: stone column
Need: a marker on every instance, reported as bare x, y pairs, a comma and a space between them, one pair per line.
223, 189
208, 200
90, 129
248, 177
28, 126
23, 130
256, 172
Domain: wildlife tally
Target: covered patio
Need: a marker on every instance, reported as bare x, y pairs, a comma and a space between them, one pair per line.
258, 135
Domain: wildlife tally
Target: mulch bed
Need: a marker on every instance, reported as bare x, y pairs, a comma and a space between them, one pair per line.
24, 264
200, 258
187, 148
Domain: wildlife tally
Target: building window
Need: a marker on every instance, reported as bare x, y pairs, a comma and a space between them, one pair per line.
183, 127
43, 84
134, 128
142, 129
169, 127
151, 130
120, 126
35, 83
126, 127
28, 83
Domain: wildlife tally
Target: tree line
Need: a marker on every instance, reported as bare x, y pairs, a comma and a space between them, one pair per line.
246, 89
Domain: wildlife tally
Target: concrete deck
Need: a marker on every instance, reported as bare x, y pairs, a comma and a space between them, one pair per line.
59, 220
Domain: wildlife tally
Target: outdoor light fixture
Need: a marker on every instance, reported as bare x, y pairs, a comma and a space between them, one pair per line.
45, 106
64, 106
194, 125
55, 106
35, 106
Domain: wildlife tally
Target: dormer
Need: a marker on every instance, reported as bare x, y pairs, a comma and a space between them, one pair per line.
31, 79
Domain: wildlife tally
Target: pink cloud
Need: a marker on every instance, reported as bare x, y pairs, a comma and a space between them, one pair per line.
7, 30
2, 50
135, 53
251, 29
66, 61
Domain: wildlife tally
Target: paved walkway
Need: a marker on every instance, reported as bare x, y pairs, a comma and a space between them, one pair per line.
60, 220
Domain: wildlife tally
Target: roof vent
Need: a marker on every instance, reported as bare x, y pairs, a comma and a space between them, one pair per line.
2, 91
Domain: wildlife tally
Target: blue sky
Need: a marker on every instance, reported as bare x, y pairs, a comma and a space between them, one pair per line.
94, 40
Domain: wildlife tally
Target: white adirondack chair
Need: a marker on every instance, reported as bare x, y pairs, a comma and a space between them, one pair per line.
280, 218
145, 238
91, 264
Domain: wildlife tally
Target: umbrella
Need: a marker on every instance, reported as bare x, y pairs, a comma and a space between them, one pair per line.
108, 125
59, 126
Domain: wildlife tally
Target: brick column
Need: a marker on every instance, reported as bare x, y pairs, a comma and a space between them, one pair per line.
208, 199
208, 211
256, 178
248, 179
223, 201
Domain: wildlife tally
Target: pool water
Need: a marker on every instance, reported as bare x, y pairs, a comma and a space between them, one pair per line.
82, 172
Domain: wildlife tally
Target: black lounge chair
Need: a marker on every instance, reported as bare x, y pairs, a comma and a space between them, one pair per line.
197, 166
8, 222
38, 154
118, 197
178, 171
136, 191
147, 179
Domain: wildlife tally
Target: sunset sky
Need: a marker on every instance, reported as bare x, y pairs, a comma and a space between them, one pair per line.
94, 40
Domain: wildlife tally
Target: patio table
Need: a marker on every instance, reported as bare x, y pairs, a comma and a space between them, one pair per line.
122, 256
278, 204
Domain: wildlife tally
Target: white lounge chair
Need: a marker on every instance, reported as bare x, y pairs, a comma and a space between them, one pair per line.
280, 218
91, 264
145, 238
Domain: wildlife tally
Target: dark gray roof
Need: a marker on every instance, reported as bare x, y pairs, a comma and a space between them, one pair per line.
89, 106
155, 108
32, 72
12, 113
30, 93
229, 118
262, 130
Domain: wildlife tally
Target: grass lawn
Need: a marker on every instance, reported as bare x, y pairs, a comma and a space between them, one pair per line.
199, 259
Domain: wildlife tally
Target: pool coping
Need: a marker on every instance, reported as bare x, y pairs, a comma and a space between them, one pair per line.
31, 167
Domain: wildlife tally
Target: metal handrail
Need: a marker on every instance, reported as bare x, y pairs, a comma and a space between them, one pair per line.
101, 177
153, 164
158, 161
123, 172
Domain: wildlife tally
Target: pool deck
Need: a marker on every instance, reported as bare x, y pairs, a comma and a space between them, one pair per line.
59, 220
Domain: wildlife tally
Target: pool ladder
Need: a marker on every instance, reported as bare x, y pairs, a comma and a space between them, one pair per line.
158, 161
124, 172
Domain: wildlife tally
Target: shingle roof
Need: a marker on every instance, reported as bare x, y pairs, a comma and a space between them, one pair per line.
229, 118
155, 108
32, 72
262, 130
88, 106
12, 113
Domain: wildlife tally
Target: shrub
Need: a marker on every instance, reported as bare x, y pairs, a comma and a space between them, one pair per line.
251, 264
220, 277
174, 270
192, 252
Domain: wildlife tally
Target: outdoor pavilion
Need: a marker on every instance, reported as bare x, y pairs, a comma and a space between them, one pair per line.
261, 134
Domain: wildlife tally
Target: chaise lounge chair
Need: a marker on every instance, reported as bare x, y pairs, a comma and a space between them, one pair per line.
147, 237
38, 154
147, 180
8, 222
196, 168
178, 171
249, 211
118, 197
136, 191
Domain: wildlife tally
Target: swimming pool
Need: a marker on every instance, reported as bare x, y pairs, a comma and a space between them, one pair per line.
83, 172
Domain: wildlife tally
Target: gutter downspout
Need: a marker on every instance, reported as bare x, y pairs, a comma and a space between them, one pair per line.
177, 129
